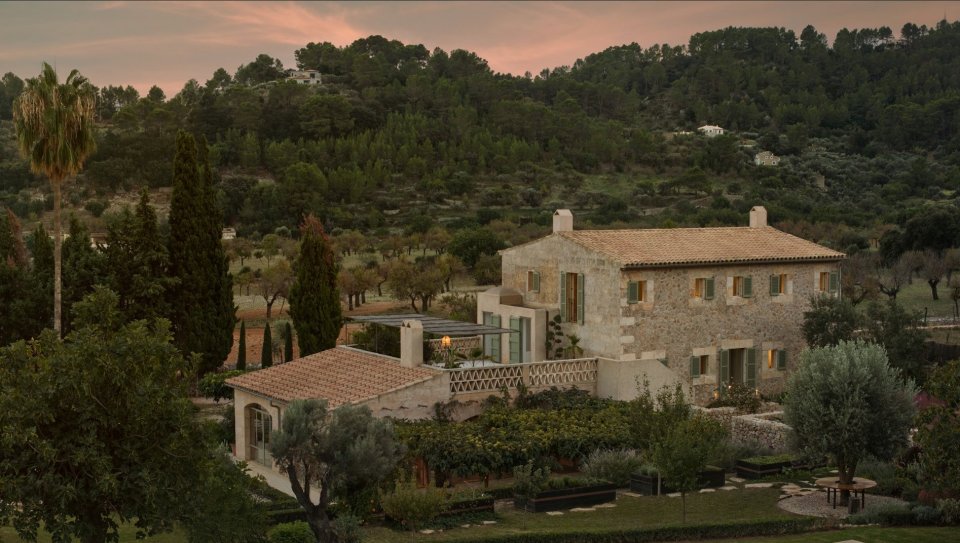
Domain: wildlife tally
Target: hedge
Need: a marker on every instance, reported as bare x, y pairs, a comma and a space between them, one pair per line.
667, 533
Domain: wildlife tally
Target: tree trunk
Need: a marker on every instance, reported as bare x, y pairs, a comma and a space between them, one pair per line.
57, 258
269, 307
349, 302
846, 473
683, 506
363, 297
933, 287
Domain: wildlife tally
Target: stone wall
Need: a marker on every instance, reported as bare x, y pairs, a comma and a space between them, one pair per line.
756, 428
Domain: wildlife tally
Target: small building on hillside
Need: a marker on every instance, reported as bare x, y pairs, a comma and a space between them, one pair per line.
228, 234
711, 131
305, 77
766, 158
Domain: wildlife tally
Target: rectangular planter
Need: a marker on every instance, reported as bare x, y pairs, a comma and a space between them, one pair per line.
647, 484
750, 470
480, 505
566, 498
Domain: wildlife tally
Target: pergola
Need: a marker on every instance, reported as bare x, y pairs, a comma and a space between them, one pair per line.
435, 325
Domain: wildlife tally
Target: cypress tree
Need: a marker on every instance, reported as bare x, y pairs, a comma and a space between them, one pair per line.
242, 347
314, 297
202, 310
287, 342
266, 354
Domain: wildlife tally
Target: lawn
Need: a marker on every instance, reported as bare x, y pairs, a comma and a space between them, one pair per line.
917, 297
630, 513
870, 534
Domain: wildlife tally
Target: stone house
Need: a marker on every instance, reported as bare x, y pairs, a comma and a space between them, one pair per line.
766, 158
711, 131
714, 306
304, 77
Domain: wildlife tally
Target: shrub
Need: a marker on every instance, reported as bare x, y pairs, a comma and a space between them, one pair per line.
528, 481
347, 529
412, 507
744, 398
291, 532
226, 426
730, 451
924, 515
613, 465
884, 473
949, 510
891, 514
769, 460
212, 385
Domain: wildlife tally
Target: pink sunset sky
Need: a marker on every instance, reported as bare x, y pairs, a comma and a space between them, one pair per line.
168, 43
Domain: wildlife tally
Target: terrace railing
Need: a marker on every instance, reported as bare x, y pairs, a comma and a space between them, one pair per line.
531, 375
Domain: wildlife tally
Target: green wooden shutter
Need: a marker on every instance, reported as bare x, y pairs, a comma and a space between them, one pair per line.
774, 285
536, 281
495, 342
781, 359
834, 281
580, 298
751, 373
515, 340
747, 286
633, 292
708, 289
694, 366
563, 296
724, 370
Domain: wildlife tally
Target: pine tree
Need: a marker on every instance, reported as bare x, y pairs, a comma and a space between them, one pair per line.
202, 308
266, 354
242, 347
314, 298
288, 342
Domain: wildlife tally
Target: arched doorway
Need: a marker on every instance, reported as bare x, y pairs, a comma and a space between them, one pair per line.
259, 426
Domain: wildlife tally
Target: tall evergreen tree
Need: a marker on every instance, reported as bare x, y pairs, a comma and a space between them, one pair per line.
242, 347
24, 309
314, 297
137, 261
202, 308
266, 353
83, 269
288, 342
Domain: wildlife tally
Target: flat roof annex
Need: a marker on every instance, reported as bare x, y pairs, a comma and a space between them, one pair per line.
434, 325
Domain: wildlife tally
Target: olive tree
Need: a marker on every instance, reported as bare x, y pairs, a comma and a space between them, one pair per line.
343, 453
846, 402
682, 452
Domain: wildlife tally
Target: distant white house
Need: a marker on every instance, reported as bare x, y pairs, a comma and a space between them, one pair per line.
305, 77
766, 158
229, 233
710, 130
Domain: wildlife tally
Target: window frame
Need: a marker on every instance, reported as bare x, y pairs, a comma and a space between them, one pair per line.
743, 286
533, 281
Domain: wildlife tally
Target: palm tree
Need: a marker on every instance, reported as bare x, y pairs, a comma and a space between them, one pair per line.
54, 125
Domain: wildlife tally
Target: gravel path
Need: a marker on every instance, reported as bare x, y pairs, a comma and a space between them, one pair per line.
815, 505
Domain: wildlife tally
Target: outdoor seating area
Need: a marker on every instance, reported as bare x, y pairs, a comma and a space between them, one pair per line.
858, 487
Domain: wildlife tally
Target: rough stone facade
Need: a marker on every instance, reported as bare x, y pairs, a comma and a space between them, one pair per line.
756, 428
671, 324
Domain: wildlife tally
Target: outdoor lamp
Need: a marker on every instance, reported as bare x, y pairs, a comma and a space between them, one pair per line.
445, 342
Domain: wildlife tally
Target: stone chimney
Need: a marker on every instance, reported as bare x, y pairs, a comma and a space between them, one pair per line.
562, 220
758, 217
411, 343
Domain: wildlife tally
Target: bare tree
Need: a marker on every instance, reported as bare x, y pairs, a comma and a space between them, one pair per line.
891, 280
932, 268
275, 283
858, 280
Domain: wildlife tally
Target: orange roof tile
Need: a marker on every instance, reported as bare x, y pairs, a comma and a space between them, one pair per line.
699, 246
340, 375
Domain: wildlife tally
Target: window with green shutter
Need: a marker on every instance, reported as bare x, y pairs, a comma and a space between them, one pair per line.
775, 285
747, 286
515, 340
694, 366
633, 289
533, 281
834, 281
781, 359
563, 296
580, 301
750, 379
708, 289
724, 369
495, 342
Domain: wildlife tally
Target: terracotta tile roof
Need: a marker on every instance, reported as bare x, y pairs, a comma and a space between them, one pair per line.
340, 375
698, 246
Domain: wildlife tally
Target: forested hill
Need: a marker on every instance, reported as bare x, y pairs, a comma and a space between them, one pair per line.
867, 129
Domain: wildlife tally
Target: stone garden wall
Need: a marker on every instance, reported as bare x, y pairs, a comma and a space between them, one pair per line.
760, 428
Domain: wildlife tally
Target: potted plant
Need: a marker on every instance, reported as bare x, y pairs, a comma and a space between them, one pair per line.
535, 492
